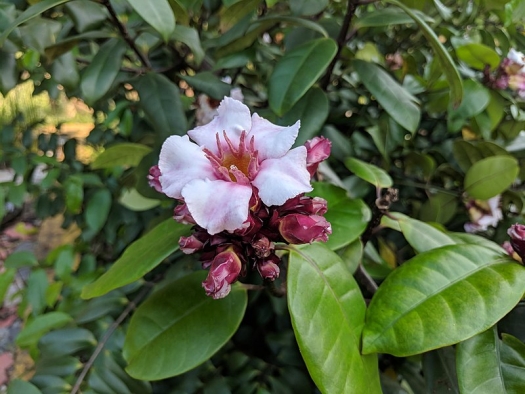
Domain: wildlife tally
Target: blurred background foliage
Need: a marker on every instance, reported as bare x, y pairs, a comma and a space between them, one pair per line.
90, 90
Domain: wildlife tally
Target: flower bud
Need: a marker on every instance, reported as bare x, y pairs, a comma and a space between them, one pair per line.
263, 247
189, 245
517, 238
305, 205
153, 178
269, 267
317, 150
182, 214
224, 270
300, 229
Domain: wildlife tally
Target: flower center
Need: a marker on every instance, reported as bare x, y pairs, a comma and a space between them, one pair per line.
242, 163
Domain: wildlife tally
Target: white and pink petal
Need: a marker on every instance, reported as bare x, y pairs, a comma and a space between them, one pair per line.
217, 205
280, 179
272, 141
180, 162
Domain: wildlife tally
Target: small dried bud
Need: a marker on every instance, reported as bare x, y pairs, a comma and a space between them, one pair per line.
269, 268
317, 150
189, 245
224, 270
301, 229
153, 178
263, 247
517, 238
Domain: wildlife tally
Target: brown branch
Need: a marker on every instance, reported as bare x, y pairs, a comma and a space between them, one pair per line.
341, 41
124, 32
87, 366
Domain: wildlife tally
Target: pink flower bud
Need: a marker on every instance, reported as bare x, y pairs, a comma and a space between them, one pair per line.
263, 247
300, 229
153, 178
225, 270
269, 268
189, 245
182, 214
517, 238
317, 150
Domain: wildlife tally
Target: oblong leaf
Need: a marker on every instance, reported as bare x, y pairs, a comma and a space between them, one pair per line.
490, 176
321, 290
441, 297
478, 364
394, 98
139, 258
478, 55
297, 71
348, 217
449, 68
369, 172
40, 325
97, 209
123, 154
512, 358
99, 76
158, 14
387, 17
179, 327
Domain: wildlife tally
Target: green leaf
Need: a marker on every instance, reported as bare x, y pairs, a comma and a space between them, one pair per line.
369, 172
439, 370
64, 70
158, 14
28, 14
190, 37
139, 258
86, 15
74, 191
388, 17
321, 290
476, 99
8, 72
478, 364
99, 75
348, 217
32, 332
124, 154
208, 83
394, 98
6, 278
312, 110
97, 209
179, 327
297, 71
449, 68
465, 238
160, 100
421, 236
308, 7
233, 14
67, 341
478, 56
135, 201
441, 297
512, 358
18, 386
22, 258
490, 176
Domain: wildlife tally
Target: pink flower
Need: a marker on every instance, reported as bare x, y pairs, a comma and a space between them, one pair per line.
483, 214
153, 178
301, 229
516, 233
225, 269
236, 152
317, 150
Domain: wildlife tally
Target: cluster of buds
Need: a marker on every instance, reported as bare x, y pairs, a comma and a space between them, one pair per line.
243, 189
509, 74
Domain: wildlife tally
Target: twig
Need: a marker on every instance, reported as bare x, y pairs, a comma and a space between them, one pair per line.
381, 207
124, 32
274, 290
341, 41
87, 366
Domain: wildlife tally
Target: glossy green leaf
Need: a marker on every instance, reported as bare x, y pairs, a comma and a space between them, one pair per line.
99, 75
179, 327
388, 17
439, 370
28, 14
208, 83
233, 14
312, 110
348, 217
441, 297
394, 98
439, 208
18, 386
449, 68
158, 14
64, 70
135, 201
86, 15
190, 37
369, 172
478, 55
139, 258
22, 258
478, 364
126, 154
160, 100
32, 332
297, 71
97, 209
308, 7
421, 236
490, 176
512, 356
322, 290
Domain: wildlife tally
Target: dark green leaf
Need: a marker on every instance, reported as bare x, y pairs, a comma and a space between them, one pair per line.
308, 7
388, 17
190, 37
491, 176
476, 99
124, 154
18, 386
208, 83
86, 15
67, 341
471, 285
158, 14
139, 258
393, 97
439, 369
512, 358
297, 71
32, 332
321, 289
22, 258
97, 209
170, 333
478, 56
233, 14
74, 191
